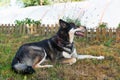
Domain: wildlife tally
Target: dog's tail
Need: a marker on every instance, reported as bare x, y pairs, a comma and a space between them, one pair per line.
22, 68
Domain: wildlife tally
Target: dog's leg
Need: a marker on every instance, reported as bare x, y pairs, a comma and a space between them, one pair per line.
38, 65
68, 58
66, 55
89, 57
74, 54
68, 61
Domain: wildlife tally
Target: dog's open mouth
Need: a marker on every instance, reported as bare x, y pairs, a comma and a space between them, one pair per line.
79, 33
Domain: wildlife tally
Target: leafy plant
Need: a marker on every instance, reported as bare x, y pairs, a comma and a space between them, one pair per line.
108, 43
76, 21
27, 21
35, 2
118, 25
46, 2
18, 22
103, 25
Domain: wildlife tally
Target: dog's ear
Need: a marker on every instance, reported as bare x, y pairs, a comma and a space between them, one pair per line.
62, 23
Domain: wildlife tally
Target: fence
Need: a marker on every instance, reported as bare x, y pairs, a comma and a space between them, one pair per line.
98, 34
28, 29
103, 34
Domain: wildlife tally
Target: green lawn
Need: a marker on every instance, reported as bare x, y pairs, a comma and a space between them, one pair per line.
87, 69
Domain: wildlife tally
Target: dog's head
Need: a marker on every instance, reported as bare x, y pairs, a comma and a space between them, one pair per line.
68, 30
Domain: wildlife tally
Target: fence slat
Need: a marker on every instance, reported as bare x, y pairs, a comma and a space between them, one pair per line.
97, 34
110, 33
118, 35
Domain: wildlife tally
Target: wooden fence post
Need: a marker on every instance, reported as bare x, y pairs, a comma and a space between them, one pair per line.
97, 34
118, 35
56, 28
52, 29
110, 33
88, 34
12, 28
20, 29
24, 29
103, 34
43, 30
16, 28
7, 28
92, 34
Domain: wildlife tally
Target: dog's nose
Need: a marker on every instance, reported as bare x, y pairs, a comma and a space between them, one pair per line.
84, 27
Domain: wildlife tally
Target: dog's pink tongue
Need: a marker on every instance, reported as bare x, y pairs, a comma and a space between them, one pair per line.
80, 34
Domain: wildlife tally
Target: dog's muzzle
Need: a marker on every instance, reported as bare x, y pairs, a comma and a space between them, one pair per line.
80, 31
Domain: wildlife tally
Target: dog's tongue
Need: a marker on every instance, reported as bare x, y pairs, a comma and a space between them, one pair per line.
79, 33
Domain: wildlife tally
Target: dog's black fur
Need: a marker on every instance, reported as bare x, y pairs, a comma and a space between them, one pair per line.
31, 54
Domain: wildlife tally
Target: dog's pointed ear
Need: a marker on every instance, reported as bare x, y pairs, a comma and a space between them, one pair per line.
62, 23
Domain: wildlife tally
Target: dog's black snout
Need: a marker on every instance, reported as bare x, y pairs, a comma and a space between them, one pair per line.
84, 27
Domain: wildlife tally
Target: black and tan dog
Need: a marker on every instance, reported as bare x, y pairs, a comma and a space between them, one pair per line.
59, 48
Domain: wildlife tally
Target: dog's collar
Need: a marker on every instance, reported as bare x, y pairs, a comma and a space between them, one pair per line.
61, 41
62, 44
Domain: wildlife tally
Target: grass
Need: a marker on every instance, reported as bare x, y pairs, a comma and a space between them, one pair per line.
87, 69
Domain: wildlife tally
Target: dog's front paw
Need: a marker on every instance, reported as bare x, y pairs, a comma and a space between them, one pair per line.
49, 65
101, 57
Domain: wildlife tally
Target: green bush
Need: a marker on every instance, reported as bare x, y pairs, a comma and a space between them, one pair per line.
118, 25
109, 42
27, 21
103, 25
46, 2
76, 21
35, 2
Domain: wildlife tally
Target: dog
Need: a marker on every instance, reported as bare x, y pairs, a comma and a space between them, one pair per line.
59, 48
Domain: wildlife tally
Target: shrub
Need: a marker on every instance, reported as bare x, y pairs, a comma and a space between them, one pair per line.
109, 42
35, 2
46, 2
103, 25
76, 21
118, 25
27, 21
